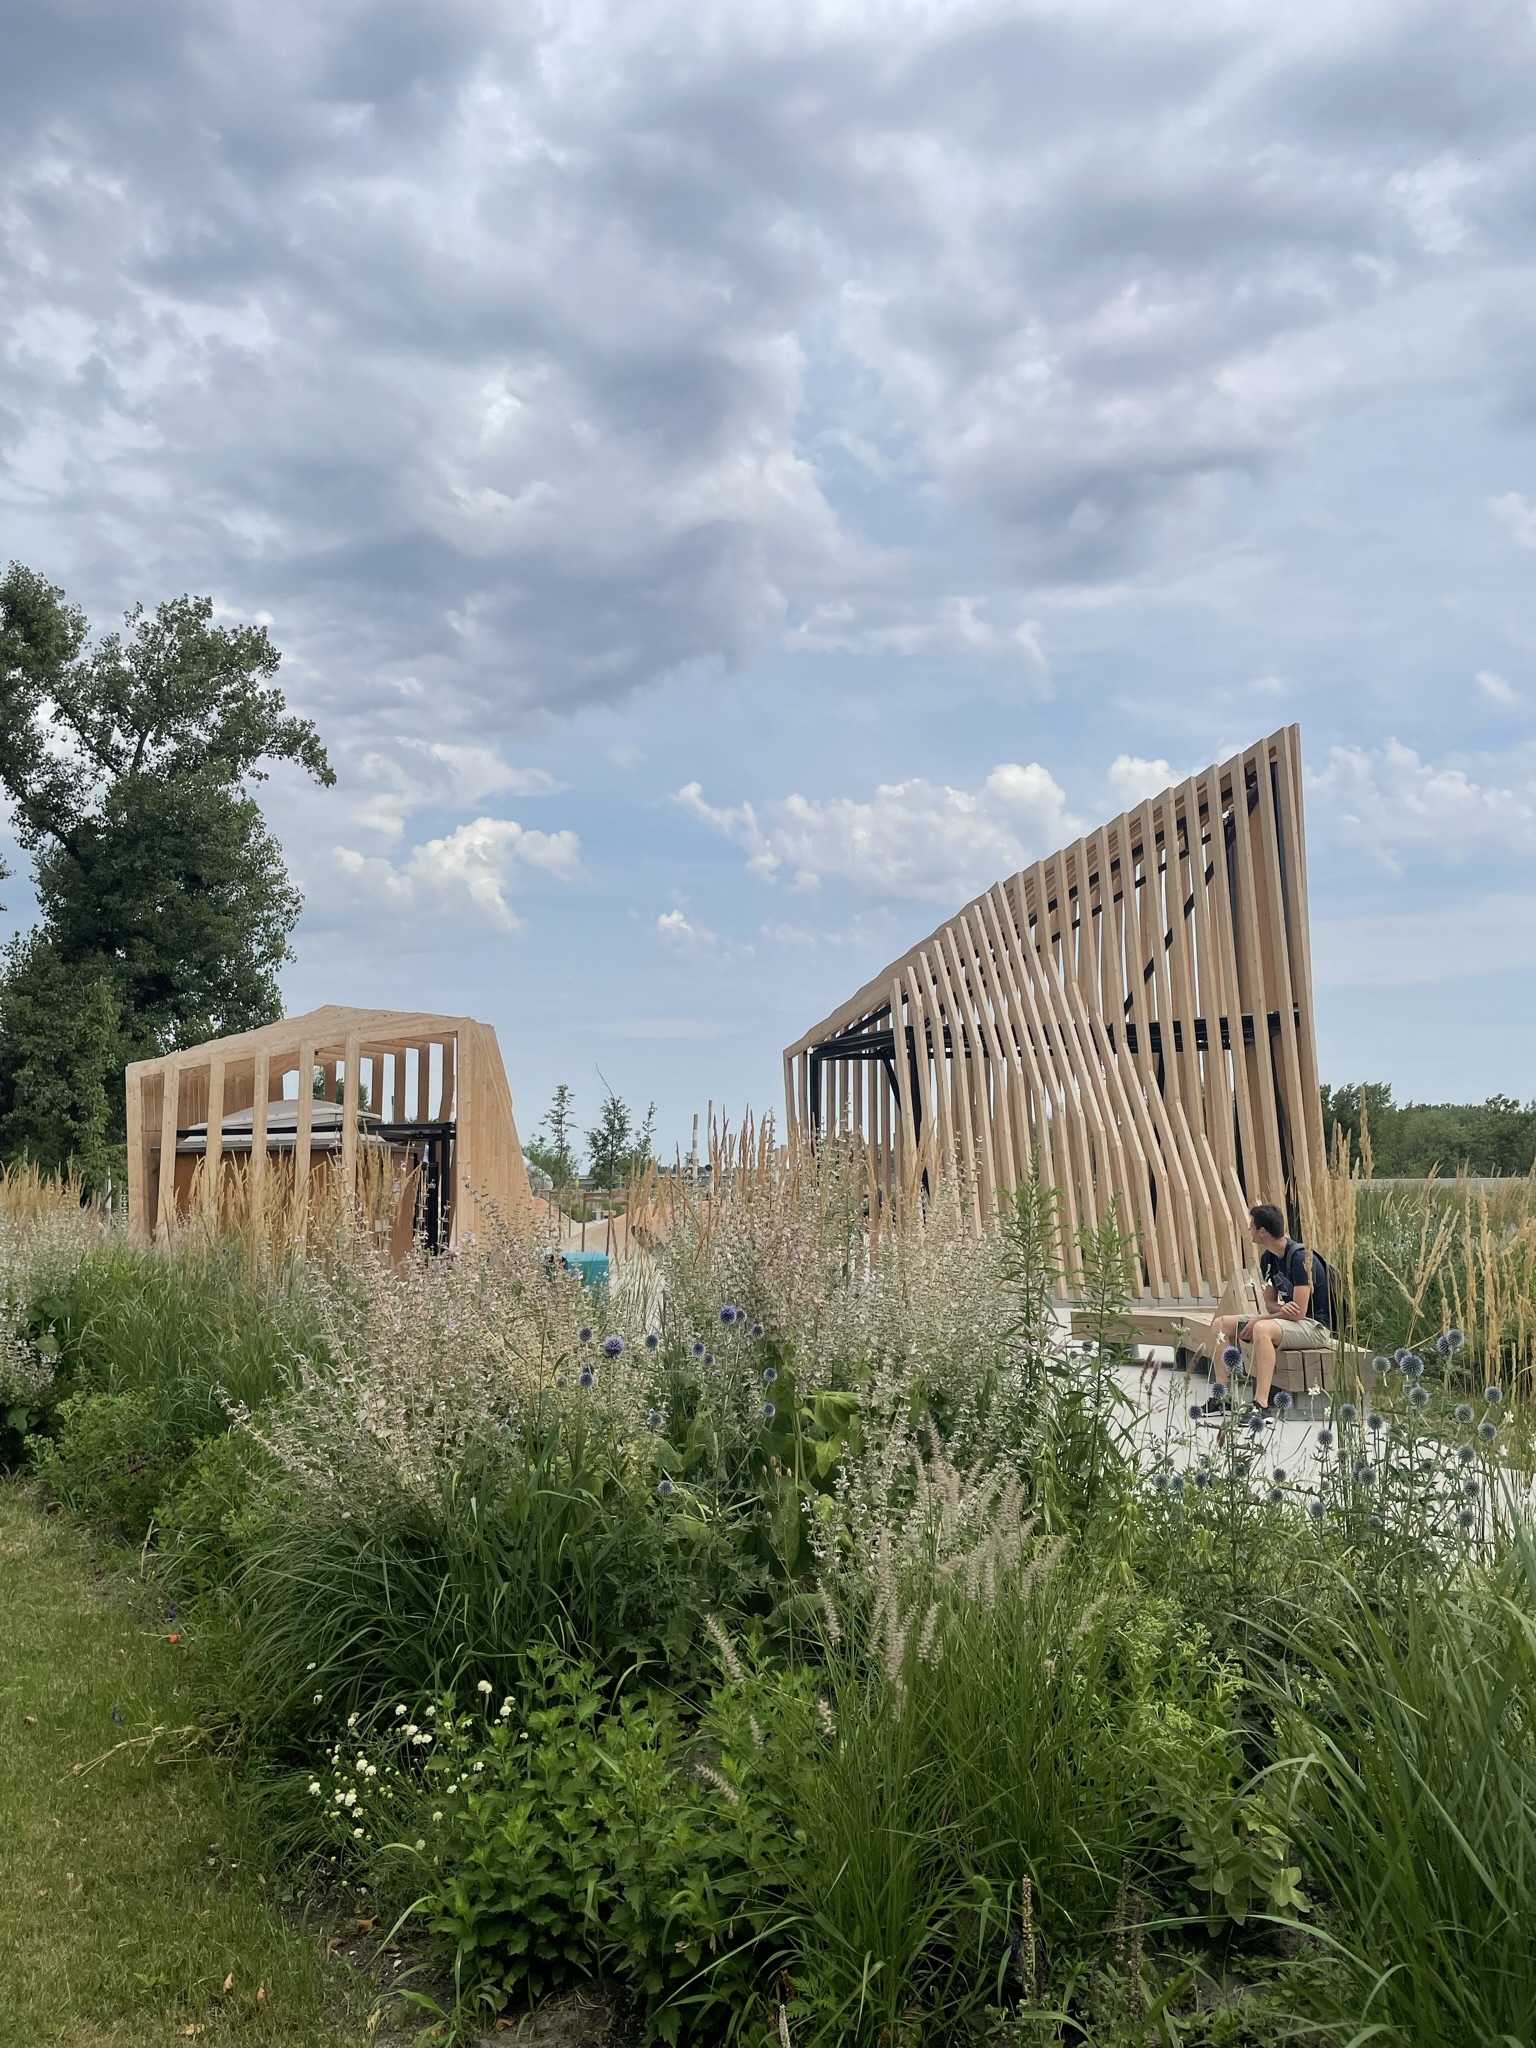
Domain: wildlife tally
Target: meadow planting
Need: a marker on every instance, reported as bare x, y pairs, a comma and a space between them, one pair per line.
804, 1640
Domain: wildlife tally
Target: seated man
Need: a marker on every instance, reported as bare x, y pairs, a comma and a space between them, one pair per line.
1290, 1325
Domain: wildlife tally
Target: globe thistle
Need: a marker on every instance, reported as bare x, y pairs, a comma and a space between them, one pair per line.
1463, 1411
1364, 1474
1276, 1496
1402, 1353
1466, 1519
1413, 1366
651, 1340
769, 1411
1493, 1395
1487, 1431
587, 1378
1232, 1355
756, 1330
728, 1313
655, 1420
1470, 1488
1316, 1510
561, 1381
613, 1345
1381, 1363
698, 1348
709, 1358
770, 1374
584, 1335
1375, 1522
1196, 1410
1349, 1412
1419, 1396
1465, 1455
665, 1488
1256, 1424
1454, 1339
1202, 1477
1325, 1439
1375, 1423
1176, 1483
1279, 1475
1281, 1399
1443, 1345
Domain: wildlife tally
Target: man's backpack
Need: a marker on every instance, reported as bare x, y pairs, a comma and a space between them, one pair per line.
1327, 1305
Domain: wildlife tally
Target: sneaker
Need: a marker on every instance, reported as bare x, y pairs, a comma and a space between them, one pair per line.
1218, 1404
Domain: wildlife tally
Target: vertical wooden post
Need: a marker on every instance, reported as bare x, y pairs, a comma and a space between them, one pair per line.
261, 1090
213, 1144
349, 1105
165, 1206
303, 1131
138, 1164
465, 1210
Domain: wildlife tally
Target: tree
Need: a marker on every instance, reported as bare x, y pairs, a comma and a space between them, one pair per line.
128, 766
555, 1152
617, 1146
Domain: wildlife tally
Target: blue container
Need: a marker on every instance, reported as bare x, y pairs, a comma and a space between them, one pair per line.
592, 1266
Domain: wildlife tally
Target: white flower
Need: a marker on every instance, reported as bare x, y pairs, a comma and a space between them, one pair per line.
411, 1728
357, 1834
438, 1815
319, 1696
309, 1667
484, 1686
351, 1720
479, 1767
372, 1770
505, 1709
421, 1842
431, 1713
314, 1786
399, 1710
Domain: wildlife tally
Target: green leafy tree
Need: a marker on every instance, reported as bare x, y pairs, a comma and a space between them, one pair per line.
554, 1150
127, 766
618, 1145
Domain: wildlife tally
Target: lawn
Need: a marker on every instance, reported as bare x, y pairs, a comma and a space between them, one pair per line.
132, 1887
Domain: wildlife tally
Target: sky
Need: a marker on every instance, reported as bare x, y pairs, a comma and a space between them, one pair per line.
731, 482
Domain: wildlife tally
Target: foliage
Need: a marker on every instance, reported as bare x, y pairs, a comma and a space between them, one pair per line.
620, 1144
554, 1151
1411, 1139
166, 908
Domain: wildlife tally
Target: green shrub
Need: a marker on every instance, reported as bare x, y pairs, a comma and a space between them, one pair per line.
110, 1459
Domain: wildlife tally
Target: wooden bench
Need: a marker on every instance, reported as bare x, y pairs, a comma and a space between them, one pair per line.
1179, 1322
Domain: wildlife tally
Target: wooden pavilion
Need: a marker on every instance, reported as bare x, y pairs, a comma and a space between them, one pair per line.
423, 1097
1134, 1012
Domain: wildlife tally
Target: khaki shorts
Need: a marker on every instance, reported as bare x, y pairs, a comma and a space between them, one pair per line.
1305, 1335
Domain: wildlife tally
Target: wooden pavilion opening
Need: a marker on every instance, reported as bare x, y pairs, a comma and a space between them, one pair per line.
413, 1103
1134, 1012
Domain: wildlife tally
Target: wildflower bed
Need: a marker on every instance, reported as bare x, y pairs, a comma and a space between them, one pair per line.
803, 1641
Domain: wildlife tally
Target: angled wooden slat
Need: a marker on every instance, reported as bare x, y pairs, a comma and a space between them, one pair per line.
1095, 1005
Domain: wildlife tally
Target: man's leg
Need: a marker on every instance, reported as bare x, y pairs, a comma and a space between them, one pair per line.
1266, 1337
1223, 1333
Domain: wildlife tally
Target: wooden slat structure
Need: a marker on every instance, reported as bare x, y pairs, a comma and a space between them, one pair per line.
438, 1105
1134, 1012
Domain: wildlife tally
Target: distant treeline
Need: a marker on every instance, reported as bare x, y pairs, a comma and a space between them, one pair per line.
1411, 1139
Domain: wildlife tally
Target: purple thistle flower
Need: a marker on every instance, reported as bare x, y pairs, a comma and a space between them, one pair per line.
1276, 1496
1493, 1395
728, 1314
1281, 1399
1487, 1431
769, 1411
1381, 1363
584, 1335
1232, 1355
1325, 1439
655, 1419
756, 1330
1463, 1411
613, 1344
665, 1488
1316, 1510
698, 1348
1466, 1455
770, 1374
709, 1358
1419, 1396
1455, 1339
1349, 1412
651, 1340
1467, 1519
1202, 1478
588, 1378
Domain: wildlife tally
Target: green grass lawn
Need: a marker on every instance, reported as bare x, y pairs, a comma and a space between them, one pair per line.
132, 1890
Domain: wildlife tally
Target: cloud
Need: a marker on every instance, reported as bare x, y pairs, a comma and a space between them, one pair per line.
417, 775
1131, 780
470, 868
1498, 691
1394, 805
1517, 515
913, 841
955, 627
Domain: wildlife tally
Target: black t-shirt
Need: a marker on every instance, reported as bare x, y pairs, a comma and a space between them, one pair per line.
1288, 1270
